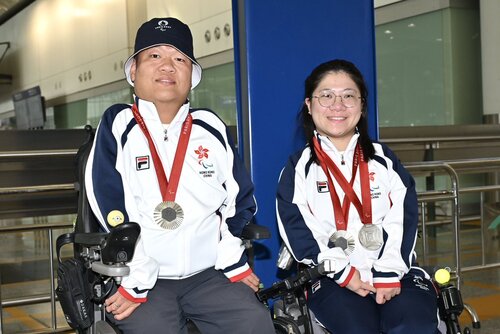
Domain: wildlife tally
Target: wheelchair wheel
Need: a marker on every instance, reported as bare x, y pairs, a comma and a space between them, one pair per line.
285, 326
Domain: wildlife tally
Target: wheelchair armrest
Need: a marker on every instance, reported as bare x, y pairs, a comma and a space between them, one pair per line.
255, 232
116, 271
90, 239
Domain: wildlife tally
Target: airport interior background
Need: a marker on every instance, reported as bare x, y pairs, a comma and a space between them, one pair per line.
437, 87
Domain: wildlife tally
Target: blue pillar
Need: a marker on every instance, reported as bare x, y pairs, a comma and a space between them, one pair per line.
277, 44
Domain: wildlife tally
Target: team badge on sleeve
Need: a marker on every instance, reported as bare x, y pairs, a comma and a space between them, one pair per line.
115, 218
142, 163
322, 186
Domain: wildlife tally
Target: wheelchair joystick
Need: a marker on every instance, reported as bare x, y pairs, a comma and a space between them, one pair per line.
442, 276
450, 301
291, 315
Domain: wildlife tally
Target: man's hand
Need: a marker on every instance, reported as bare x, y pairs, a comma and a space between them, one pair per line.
386, 294
252, 281
358, 286
120, 306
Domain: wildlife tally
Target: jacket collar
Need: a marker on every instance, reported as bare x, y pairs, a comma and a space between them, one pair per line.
148, 111
327, 145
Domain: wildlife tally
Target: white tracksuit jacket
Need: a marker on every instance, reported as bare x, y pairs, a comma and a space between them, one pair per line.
306, 217
215, 192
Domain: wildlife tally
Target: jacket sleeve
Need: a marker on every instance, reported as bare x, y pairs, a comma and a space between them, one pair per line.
112, 201
238, 211
299, 228
399, 226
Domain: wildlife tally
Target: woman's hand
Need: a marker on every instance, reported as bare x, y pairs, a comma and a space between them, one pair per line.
252, 281
386, 294
360, 287
120, 306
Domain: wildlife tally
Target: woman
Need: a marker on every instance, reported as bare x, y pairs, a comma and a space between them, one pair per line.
349, 201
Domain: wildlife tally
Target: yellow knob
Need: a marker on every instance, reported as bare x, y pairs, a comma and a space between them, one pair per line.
442, 276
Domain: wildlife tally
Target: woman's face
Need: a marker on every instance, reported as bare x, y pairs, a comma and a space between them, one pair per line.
336, 108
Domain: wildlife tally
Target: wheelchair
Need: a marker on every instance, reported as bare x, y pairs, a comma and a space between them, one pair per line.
292, 316
102, 258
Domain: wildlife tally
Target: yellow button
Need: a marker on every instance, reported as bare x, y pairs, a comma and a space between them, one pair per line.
115, 218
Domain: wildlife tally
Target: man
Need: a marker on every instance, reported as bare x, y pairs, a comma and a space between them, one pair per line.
173, 170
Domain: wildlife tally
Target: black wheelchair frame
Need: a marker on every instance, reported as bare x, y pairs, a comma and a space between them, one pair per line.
103, 255
291, 315
290, 312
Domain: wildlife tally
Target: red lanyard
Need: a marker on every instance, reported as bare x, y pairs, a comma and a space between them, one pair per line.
168, 189
341, 212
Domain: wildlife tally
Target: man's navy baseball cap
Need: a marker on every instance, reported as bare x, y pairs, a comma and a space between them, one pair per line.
165, 31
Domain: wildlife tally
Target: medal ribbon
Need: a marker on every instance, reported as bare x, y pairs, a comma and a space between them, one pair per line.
168, 189
342, 212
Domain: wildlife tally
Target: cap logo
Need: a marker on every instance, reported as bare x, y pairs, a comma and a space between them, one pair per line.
164, 31
163, 25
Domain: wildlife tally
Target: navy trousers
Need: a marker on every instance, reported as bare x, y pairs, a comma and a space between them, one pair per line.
341, 311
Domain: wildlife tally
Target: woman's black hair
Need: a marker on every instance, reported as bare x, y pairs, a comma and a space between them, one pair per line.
312, 82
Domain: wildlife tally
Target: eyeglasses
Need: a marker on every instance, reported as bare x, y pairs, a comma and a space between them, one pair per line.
327, 98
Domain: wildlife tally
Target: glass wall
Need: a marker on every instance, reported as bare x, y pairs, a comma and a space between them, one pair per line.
77, 114
98, 104
429, 74
217, 92
429, 69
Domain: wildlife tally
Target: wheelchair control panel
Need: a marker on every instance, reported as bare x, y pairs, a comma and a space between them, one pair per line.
85, 281
450, 301
291, 315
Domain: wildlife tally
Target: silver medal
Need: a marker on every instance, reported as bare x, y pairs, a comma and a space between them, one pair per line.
168, 215
370, 237
344, 240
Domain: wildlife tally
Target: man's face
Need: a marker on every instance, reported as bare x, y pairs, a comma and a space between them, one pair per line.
162, 74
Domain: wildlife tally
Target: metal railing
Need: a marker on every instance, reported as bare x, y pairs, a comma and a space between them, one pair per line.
48, 227
451, 195
482, 191
36, 189
35, 299
38, 153
453, 168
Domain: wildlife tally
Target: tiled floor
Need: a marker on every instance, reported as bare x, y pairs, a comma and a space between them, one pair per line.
24, 273
481, 290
